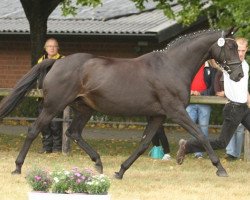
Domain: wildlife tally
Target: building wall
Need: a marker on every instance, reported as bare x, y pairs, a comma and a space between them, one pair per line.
15, 52
14, 60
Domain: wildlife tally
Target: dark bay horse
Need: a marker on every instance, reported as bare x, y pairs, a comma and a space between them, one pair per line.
155, 85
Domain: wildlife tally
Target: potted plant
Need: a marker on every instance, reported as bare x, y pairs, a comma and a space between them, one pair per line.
39, 180
71, 185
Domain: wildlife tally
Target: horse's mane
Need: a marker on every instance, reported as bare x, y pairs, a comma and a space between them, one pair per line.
187, 37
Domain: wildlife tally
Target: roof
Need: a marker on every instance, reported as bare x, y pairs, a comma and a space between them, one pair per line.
113, 17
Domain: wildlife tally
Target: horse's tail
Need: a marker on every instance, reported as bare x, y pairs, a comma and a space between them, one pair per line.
23, 87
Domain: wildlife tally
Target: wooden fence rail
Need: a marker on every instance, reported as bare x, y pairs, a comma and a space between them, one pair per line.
194, 99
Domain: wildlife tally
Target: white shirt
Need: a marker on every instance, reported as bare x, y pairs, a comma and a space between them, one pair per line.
237, 91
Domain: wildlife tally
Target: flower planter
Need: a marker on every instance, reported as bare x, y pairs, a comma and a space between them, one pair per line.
57, 196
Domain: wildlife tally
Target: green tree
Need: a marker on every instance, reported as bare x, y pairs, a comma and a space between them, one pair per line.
37, 13
226, 13
221, 13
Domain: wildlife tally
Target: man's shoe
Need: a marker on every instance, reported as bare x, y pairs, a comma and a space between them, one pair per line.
230, 157
44, 151
198, 156
181, 152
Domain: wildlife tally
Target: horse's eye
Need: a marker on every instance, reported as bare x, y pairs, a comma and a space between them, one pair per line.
231, 46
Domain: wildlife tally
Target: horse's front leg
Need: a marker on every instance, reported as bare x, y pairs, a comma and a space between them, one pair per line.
153, 124
202, 143
32, 134
74, 132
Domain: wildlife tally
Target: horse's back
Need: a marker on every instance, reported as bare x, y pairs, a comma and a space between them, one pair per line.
66, 65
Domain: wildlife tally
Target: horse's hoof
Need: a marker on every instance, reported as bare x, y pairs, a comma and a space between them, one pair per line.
15, 172
118, 176
222, 173
99, 168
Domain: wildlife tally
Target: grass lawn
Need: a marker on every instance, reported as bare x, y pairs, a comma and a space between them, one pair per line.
146, 179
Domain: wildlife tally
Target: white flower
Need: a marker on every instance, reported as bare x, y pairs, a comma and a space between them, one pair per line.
56, 179
66, 172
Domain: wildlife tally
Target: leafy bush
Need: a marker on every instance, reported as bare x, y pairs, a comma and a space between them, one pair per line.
78, 180
60, 181
74, 181
98, 184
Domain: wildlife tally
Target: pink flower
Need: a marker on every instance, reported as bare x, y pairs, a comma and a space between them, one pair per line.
78, 174
78, 180
38, 178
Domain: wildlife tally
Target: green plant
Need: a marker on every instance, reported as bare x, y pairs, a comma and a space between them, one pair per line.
78, 180
74, 181
39, 180
60, 181
98, 184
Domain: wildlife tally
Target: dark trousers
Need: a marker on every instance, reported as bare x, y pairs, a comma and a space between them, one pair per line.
233, 114
52, 133
160, 137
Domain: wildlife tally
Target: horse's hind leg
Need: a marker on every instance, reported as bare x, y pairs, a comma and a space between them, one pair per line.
81, 117
33, 131
153, 124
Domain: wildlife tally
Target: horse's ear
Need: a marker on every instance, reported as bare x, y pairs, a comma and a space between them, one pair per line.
231, 31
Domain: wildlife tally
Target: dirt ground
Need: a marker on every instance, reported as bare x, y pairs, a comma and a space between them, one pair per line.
174, 135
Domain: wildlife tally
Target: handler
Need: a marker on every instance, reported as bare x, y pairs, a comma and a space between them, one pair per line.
236, 111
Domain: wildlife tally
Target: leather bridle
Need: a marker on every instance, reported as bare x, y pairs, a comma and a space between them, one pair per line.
225, 65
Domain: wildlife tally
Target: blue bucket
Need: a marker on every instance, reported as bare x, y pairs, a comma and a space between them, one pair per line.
156, 152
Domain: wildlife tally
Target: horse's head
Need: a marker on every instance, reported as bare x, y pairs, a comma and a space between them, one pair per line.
225, 52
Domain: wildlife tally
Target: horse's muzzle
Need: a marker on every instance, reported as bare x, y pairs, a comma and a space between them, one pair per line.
237, 74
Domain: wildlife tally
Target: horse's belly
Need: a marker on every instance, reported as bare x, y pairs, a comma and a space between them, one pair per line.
128, 103
129, 109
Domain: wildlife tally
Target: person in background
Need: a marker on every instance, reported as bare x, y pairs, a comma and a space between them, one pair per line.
233, 149
52, 134
160, 139
202, 84
236, 111
219, 84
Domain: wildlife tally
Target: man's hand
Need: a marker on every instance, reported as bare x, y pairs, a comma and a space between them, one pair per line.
220, 94
195, 93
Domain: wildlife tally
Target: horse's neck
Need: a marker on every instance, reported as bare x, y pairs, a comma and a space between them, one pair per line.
190, 55
196, 51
